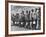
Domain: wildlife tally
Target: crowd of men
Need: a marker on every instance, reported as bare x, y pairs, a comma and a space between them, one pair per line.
28, 20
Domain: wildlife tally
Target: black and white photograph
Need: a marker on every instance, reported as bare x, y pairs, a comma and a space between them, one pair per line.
25, 18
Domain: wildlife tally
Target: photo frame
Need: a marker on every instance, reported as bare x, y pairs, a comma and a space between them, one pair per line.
31, 18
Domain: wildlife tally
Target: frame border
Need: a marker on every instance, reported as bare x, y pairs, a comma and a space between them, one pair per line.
6, 18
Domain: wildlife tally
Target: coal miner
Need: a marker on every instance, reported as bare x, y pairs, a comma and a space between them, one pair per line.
13, 18
22, 19
27, 19
34, 19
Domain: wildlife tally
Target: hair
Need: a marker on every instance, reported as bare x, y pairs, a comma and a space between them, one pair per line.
22, 12
32, 10
26, 11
